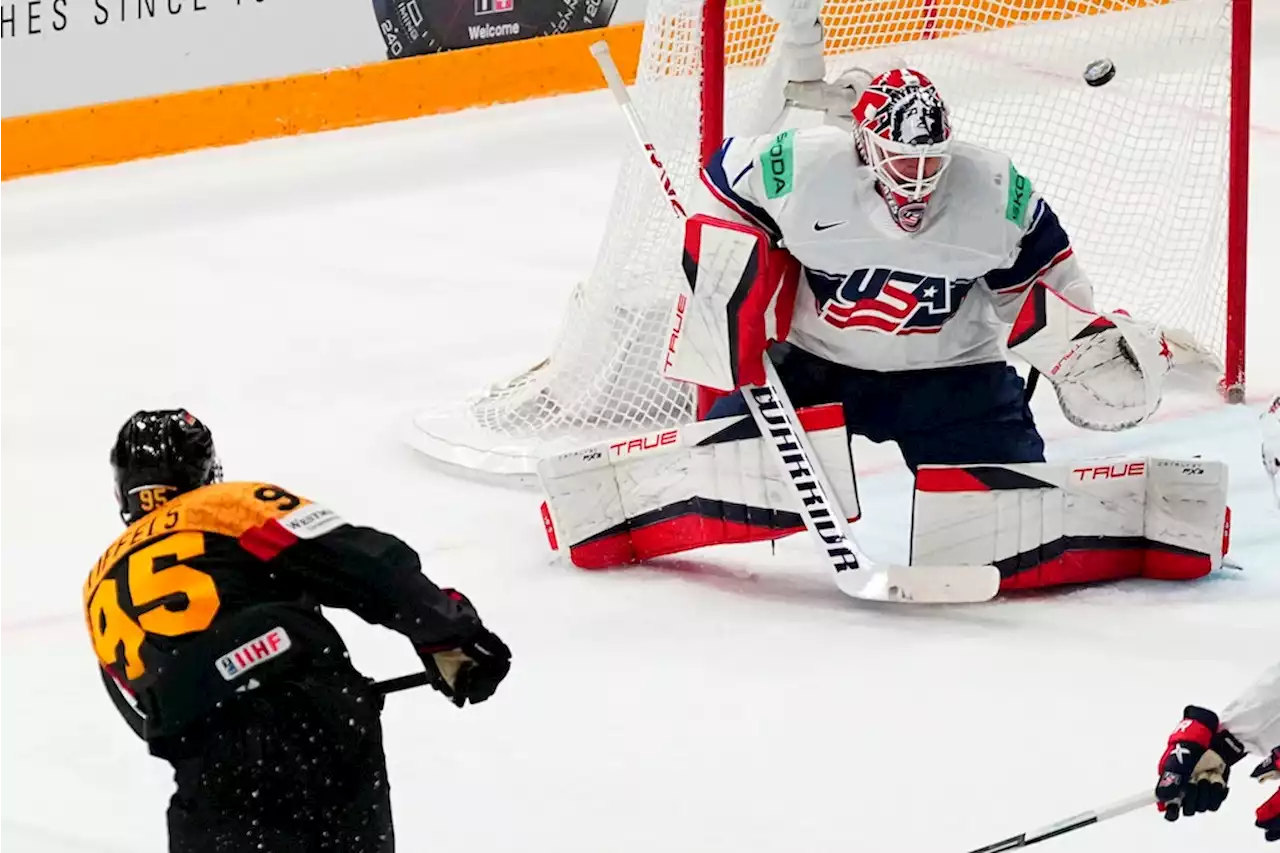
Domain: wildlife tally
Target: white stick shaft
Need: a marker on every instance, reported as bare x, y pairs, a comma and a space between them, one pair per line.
600, 50
1070, 824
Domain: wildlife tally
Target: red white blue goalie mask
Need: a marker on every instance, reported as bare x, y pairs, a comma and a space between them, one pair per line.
903, 133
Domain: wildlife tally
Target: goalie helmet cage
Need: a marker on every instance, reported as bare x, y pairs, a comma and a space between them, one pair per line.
1149, 174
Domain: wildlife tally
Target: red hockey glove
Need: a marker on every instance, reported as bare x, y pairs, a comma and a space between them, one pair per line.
1196, 765
1269, 812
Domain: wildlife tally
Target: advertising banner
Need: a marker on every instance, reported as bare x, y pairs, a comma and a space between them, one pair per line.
68, 53
415, 27
58, 54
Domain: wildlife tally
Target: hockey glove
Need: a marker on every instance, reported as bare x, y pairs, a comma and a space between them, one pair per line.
1269, 812
467, 670
1196, 765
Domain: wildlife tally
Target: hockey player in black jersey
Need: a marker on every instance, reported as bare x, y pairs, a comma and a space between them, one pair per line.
205, 619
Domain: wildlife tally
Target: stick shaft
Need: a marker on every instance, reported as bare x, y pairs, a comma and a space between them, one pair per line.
1070, 824
403, 682
600, 50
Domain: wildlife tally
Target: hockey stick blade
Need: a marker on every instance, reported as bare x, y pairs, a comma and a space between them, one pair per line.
921, 584
1079, 821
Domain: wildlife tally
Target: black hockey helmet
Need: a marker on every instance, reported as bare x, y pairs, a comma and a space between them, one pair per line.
157, 456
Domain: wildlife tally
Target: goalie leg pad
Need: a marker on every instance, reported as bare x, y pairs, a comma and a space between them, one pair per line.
1045, 524
708, 483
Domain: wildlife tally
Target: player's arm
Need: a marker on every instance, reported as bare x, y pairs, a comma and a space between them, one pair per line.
1044, 253
1254, 717
379, 577
733, 186
740, 284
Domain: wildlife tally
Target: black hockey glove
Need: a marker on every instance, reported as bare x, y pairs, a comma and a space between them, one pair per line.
467, 670
1196, 765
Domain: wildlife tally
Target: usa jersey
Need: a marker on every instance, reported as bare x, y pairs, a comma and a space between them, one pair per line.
878, 298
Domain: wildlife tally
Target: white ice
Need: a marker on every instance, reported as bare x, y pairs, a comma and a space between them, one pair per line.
305, 296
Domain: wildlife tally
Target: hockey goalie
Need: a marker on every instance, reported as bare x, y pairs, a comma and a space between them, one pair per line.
887, 267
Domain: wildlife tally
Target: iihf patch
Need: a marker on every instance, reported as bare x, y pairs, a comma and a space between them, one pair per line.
244, 658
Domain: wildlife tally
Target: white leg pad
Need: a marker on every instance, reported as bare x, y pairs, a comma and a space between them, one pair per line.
1043, 524
705, 483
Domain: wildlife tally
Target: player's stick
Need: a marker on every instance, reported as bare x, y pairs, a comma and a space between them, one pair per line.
856, 575
1079, 821
404, 682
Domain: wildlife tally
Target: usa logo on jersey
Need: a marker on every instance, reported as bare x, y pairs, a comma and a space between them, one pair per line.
888, 301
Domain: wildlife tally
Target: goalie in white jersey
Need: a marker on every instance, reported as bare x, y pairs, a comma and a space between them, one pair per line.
917, 253
886, 267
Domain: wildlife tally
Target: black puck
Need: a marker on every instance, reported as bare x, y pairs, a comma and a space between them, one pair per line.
1099, 72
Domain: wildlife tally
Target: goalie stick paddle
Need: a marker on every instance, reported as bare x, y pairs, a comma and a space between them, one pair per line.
1079, 821
856, 575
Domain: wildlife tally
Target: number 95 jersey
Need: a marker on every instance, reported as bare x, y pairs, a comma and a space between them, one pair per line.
879, 298
219, 590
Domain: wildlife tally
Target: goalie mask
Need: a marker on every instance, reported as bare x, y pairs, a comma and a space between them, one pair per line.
903, 133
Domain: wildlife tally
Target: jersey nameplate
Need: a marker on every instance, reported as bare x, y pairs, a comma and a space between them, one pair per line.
778, 165
1015, 209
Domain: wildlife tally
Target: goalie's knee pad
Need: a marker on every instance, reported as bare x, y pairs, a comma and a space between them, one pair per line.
1047, 524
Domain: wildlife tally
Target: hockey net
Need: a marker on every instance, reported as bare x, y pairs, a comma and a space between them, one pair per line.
1147, 173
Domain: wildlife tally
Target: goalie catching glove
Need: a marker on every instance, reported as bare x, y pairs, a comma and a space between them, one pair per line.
1108, 370
467, 670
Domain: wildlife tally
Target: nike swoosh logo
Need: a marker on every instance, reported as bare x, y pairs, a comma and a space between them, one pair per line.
821, 226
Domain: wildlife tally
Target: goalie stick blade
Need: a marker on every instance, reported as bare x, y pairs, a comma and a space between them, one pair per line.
921, 584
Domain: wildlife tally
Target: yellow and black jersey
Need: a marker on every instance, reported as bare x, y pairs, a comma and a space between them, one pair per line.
218, 590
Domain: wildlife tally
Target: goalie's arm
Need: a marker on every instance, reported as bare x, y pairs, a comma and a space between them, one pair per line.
1107, 369
733, 188
1044, 253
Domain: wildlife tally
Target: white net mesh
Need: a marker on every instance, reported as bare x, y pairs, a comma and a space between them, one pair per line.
1136, 169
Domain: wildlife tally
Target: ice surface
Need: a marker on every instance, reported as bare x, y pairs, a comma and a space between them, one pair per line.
306, 296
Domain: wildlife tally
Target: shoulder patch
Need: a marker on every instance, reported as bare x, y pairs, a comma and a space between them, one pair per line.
1015, 208
778, 165
310, 521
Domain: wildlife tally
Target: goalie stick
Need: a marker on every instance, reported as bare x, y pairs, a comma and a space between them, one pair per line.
855, 574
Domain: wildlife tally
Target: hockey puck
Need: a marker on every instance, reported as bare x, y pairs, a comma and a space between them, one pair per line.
1099, 72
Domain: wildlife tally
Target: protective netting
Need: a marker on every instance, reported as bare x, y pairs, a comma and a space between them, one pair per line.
1136, 169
